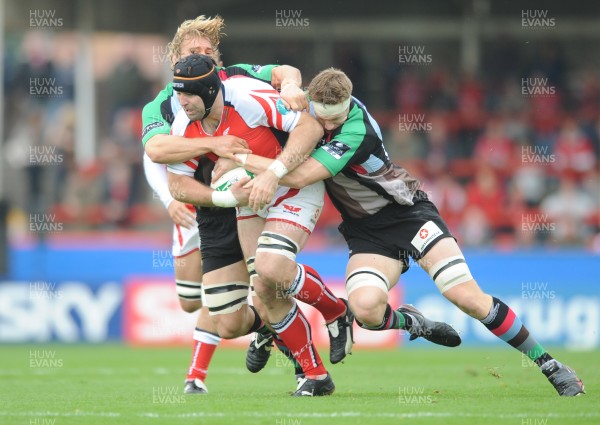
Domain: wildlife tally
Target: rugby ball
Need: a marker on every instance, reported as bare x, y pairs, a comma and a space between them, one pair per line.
230, 177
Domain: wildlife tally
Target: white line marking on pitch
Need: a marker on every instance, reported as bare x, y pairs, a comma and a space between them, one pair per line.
407, 415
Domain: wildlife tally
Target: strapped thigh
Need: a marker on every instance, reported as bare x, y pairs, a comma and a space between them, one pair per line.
225, 298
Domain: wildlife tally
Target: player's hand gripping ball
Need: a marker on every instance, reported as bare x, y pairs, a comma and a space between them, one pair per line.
230, 177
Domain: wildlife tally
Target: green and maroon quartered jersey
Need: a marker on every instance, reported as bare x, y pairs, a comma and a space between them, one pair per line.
158, 115
364, 178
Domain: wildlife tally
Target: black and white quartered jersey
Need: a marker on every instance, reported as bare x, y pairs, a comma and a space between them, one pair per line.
364, 180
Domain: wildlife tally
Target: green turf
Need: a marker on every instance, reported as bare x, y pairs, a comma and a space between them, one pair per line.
110, 384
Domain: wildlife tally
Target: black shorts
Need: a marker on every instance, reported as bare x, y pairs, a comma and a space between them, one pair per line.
219, 241
397, 231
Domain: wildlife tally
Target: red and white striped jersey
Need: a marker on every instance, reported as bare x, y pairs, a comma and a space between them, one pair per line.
249, 112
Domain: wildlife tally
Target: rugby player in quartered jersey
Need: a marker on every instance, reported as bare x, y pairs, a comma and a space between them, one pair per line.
387, 221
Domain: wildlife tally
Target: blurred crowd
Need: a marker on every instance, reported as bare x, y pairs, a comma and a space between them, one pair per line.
510, 157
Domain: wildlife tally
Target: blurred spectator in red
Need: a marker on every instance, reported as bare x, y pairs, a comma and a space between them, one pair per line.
545, 103
573, 151
495, 148
487, 194
449, 197
409, 93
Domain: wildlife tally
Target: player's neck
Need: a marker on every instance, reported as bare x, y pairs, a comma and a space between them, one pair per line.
212, 121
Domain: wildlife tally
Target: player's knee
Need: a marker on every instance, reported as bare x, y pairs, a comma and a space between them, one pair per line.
228, 329
265, 293
190, 306
267, 270
367, 317
367, 290
367, 309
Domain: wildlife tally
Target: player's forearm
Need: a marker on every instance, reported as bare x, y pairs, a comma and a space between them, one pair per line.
170, 149
257, 164
186, 189
301, 142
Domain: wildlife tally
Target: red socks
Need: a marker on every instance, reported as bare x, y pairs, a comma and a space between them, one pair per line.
295, 332
205, 344
309, 288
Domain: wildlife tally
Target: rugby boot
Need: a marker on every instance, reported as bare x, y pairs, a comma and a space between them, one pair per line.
437, 332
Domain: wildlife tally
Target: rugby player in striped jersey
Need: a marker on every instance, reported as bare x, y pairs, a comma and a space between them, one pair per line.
247, 108
201, 35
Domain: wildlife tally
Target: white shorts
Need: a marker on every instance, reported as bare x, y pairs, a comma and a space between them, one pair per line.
296, 207
185, 241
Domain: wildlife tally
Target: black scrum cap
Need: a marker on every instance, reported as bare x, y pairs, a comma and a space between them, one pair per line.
196, 74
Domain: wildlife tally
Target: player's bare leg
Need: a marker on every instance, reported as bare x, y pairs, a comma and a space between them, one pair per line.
369, 277
260, 347
188, 276
308, 287
302, 282
446, 265
277, 273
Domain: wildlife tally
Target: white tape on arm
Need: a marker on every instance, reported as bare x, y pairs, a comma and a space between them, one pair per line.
224, 199
278, 168
241, 158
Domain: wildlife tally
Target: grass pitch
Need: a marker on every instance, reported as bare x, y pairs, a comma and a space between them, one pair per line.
114, 384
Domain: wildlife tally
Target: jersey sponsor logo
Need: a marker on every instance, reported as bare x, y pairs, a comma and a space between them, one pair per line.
291, 208
256, 68
151, 127
336, 149
426, 234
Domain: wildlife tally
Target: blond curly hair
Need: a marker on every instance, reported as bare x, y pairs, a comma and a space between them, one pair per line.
209, 28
